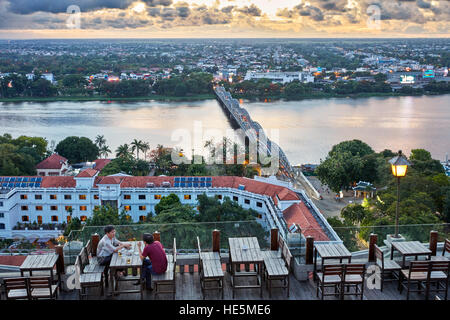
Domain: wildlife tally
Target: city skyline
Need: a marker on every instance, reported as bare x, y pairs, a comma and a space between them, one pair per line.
26, 19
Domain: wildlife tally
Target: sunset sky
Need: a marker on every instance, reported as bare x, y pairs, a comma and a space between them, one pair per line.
25, 19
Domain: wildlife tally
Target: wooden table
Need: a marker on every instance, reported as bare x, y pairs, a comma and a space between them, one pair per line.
409, 249
245, 251
126, 261
40, 262
330, 251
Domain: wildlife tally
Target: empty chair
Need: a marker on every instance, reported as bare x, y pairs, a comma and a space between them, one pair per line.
388, 267
88, 280
42, 288
16, 288
446, 249
330, 276
439, 276
417, 274
210, 269
354, 278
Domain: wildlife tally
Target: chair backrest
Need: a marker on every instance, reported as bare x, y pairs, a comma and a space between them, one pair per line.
16, 283
174, 251
333, 269
78, 265
442, 266
286, 254
446, 247
355, 268
379, 255
84, 258
419, 266
41, 283
88, 247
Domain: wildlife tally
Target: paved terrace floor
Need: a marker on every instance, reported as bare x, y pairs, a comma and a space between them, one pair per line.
188, 288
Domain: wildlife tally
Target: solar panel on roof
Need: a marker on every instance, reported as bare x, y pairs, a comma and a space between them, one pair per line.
39, 179
182, 179
1, 179
4, 184
19, 179
189, 185
176, 184
10, 185
182, 184
25, 179
195, 179
208, 184
208, 179
190, 179
195, 185
12, 179
17, 184
177, 179
23, 185
202, 179
37, 185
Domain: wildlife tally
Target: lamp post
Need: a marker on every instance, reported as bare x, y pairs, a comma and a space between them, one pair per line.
399, 166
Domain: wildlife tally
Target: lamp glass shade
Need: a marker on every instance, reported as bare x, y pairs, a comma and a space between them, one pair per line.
399, 170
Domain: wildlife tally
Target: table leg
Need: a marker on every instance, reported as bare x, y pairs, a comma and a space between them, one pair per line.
392, 252
315, 264
403, 261
111, 280
260, 279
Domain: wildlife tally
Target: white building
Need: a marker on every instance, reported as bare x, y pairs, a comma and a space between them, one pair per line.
55, 165
50, 199
48, 77
283, 77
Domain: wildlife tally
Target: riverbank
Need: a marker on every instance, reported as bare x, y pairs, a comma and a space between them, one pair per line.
107, 99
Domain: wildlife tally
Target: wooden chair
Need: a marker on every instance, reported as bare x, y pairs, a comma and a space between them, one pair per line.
92, 266
277, 265
42, 288
16, 288
330, 276
354, 276
445, 250
439, 275
167, 278
388, 267
88, 280
210, 269
418, 273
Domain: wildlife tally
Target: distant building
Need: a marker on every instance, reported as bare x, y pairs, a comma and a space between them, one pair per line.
364, 189
55, 165
282, 77
48, 77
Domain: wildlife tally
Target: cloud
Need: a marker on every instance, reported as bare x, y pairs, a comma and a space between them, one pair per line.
59, 6
250, 10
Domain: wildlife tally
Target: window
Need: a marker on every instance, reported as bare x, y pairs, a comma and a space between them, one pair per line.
157, 197
259, 216
53, 208
69, 218
2, 215
82, 197
219, 196
53, 197
68, 208
38, 208
96, 207
2, 226
142, 197
142, 208
235, 198
246, 201
23, 197
39, 219
54, 218
25, 219
24, 208
127, 196
1, 203
38, 197
142, 218
67, 197
83, 208
187, 197
259, 204
83, 218
127, 208
96, 197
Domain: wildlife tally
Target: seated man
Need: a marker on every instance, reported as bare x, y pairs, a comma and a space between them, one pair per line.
107, 246
154, 259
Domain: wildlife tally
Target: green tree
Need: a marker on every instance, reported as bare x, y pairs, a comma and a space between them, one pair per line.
77, 149
167, 202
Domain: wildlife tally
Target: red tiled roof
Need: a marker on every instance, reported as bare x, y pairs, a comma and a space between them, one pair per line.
299, 213
88, 173
12, 260
53, 162
108, 180
58, 182
101, 163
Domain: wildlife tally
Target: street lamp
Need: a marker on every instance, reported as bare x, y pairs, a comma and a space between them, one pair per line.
399, 166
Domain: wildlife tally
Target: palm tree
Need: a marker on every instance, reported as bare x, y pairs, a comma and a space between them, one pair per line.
100, 140
104, 151
145, 147
137, 145
123, 151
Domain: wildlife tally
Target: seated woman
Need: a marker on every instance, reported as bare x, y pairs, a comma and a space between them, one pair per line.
107, 246
154, 259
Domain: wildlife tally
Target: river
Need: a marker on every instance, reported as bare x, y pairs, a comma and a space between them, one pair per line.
307, 129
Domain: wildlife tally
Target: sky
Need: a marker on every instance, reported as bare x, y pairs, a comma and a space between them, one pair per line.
31, 19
